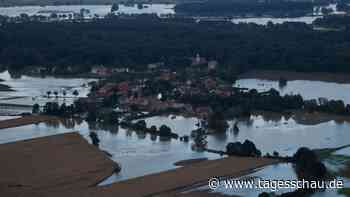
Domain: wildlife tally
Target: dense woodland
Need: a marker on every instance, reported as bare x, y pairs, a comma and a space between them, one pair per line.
234, 8
333, 21
140, 40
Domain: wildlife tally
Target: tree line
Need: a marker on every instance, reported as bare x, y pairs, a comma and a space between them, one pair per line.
139, 40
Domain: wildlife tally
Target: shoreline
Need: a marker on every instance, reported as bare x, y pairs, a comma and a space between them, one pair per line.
26, 120
275, 75
176, 180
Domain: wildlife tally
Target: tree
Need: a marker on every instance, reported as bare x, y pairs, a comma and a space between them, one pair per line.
308, 164
75, 93
115, 7
36, 108
165, 131
282, 82
51, 108
56, 94
48, 94
326, 11
94, 138
64, 93
217, 122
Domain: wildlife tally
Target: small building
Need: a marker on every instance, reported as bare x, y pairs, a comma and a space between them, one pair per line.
121, 70
212, 65
322, 101
101, 71
198, 60
154, 66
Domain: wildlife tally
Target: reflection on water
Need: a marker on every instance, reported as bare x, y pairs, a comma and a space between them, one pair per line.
272, 172
138, 153
141, 153
308, 89
265, 20
31, 90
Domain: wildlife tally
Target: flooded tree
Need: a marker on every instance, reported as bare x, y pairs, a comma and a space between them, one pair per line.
217, 122
282, 82
36, 108
48, 93
164, 131
76, 93
56, 94
308, 164
246, 149
115, 7
94, 138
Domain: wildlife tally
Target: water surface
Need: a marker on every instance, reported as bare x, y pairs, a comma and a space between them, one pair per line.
31, 90
307, 89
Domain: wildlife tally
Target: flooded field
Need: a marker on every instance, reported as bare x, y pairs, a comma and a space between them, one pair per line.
141, 154
134, 149
159, 9
30, 90
274, 172
307, 89
265, 20
95, 10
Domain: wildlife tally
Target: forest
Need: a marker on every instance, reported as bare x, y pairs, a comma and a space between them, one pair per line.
234, 8
140, 40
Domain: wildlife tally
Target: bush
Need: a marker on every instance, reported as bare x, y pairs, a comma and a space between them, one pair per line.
247, 149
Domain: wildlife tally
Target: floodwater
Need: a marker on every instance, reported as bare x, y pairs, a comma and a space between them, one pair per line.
307, 89
265, 20
281, 134
275, 172
31, 90
138, 153
100, 10
141, 154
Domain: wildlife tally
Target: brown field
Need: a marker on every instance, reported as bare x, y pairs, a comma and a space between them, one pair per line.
67, 165
44, 165
169, 182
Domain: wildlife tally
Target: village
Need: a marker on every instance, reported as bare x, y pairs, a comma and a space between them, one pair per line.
163, 92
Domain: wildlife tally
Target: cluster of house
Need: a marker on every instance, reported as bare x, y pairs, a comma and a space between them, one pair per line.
103, 71
132, 93
54, 15
196, 61
202, 61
